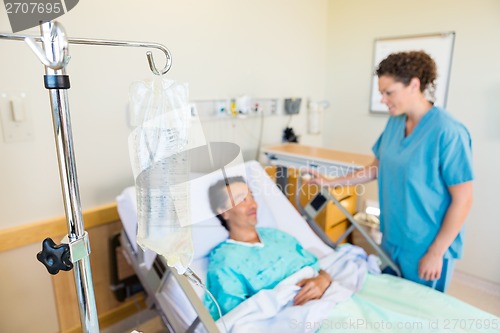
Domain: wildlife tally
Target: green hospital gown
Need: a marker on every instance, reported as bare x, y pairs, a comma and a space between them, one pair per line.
237, 271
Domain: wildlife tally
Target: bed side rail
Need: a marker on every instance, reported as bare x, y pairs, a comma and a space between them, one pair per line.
204, 316
318, 203
153, 280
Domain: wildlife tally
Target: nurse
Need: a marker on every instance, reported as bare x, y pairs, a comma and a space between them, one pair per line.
423, 162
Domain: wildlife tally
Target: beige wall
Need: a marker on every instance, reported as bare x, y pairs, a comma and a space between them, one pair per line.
222, 48
472, 96
28, 303
225, 48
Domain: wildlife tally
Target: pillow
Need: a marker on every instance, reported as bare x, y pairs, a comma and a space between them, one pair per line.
127, 209
206, 234
209, 233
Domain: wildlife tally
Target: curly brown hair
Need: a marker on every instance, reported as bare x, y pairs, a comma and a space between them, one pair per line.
403, 66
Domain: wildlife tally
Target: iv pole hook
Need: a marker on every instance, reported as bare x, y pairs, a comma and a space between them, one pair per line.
56, 31
152, 64
149, 54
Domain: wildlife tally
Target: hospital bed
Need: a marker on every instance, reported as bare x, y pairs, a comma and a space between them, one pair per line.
384, 304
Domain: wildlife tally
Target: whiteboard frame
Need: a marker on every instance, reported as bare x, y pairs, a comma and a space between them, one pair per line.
446, 41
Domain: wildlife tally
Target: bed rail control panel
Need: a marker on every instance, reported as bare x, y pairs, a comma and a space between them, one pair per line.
55, 257
319, 201
316, 205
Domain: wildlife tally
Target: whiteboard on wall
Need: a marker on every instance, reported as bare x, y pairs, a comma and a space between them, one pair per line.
439, 46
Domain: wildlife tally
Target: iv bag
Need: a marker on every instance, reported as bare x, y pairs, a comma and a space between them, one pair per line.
158, 150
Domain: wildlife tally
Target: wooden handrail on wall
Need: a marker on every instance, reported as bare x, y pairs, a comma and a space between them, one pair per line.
100, 222
15, 237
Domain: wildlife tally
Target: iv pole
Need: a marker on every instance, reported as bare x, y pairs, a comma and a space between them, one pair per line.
76, 253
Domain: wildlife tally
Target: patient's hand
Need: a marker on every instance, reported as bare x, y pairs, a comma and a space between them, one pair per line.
312, 288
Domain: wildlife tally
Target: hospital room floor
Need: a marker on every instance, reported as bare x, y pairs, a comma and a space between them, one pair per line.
461, 287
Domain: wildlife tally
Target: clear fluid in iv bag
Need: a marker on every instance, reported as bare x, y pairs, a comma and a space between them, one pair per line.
162, 203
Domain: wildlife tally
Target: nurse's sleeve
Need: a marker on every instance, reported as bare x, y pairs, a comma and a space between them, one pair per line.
456, 156
389, 130
376, 147
228, 288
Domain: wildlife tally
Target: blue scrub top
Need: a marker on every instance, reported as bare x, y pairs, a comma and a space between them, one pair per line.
414, 175
237, 271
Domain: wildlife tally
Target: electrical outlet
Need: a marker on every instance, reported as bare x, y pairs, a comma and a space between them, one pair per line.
268, 107
17, 125
273, 107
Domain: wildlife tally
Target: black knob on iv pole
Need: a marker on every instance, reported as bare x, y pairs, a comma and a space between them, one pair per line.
55, 257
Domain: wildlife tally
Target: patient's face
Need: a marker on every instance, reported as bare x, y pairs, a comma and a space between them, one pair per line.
242, 209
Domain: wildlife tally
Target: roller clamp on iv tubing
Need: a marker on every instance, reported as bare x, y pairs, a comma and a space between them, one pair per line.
75, 252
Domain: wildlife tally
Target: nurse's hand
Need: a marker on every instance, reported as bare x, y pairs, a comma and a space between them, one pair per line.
312, 288
310, 177
430, 266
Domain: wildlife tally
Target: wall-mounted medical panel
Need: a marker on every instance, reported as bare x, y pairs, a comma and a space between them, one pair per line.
243, 106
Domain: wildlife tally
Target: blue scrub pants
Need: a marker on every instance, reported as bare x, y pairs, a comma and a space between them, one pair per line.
407, 262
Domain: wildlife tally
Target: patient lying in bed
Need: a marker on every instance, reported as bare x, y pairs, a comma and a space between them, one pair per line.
253, 259
246, 274
382, 299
